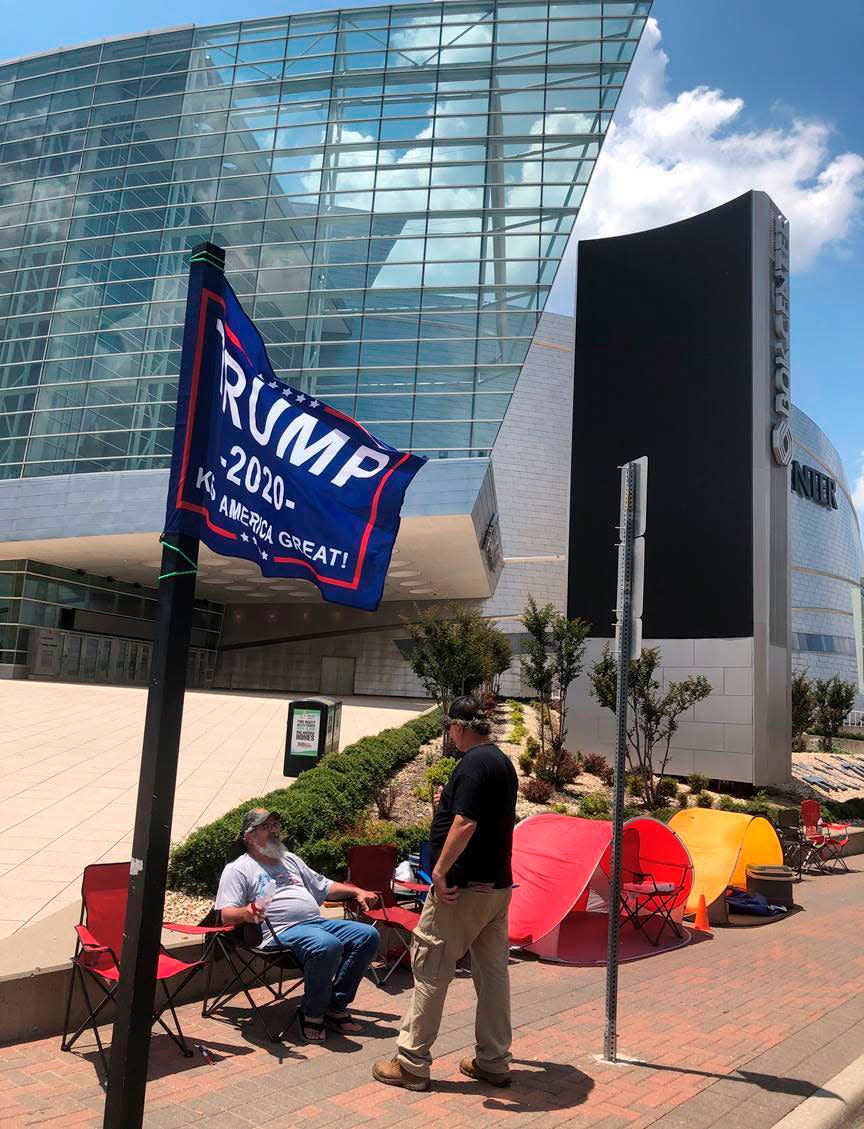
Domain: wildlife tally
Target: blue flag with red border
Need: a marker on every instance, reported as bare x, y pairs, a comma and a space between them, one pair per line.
263, 471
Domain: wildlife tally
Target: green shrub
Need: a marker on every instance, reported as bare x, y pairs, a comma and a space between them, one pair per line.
557, 767
663, 814
517, 734
704, 800
532, 747
597, 765
595, 805
683, 800
330, 856
698, 781
440, 772
726, 803
633, 784
665, 789
320, 805
846, 811
536, 791
844, 734
559, 809
526, 763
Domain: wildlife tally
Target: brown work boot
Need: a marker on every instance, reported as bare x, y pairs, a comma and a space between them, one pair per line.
469, 1067
391, 1072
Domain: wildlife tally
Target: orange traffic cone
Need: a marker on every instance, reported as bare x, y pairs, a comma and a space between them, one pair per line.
701, 921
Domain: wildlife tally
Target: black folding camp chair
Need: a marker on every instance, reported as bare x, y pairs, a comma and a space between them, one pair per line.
252, 964
796, 849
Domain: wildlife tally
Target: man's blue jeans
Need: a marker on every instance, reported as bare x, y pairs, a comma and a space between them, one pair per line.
334, 956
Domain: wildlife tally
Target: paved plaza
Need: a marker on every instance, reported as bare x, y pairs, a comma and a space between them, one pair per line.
759, 1015
69, 775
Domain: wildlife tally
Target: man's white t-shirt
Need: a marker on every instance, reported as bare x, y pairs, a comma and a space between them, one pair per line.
300, 890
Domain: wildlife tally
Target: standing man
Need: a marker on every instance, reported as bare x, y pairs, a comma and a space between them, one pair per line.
472, 842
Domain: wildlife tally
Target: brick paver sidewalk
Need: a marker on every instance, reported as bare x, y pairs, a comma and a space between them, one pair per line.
758, 1016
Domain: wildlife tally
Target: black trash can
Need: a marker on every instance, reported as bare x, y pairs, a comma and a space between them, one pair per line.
314, 725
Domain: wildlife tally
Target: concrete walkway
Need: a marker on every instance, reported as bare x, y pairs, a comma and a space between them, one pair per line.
735, 1030
69, 775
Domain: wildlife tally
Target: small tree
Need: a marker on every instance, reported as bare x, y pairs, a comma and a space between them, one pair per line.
536, 667
652, 717
802, 708
500, 656
456, 653
833, 699
551, 662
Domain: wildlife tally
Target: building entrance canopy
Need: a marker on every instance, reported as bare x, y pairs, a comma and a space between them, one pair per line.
446, 548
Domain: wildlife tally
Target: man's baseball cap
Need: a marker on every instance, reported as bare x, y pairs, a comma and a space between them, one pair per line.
254, 818
465, 709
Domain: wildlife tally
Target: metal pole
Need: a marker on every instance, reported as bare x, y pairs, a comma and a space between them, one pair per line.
136, 992
625, 569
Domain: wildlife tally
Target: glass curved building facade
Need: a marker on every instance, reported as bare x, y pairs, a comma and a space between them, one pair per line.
394, 187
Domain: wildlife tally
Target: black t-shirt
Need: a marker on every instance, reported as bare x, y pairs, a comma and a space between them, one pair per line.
483, 788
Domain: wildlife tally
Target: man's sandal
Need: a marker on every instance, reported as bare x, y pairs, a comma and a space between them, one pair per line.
311, 1030
345, 1024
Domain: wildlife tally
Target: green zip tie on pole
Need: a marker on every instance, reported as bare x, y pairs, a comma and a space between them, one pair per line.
181, 572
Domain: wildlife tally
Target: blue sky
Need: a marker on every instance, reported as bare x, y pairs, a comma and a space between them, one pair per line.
744, 94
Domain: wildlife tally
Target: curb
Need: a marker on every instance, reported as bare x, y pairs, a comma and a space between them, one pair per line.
832, 1105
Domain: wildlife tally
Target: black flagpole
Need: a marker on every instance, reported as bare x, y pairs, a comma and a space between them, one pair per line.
136, 993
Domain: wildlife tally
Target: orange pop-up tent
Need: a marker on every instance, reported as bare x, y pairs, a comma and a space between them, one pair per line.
722, 845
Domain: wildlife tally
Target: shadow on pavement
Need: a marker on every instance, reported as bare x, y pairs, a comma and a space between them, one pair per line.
165, 1058
545, 1087
291, 1045
797, 1087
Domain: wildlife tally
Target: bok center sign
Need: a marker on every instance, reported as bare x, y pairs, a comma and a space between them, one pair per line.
266, 472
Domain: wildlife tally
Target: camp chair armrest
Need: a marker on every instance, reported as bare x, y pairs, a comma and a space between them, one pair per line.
277, 944
89, 942
196, 930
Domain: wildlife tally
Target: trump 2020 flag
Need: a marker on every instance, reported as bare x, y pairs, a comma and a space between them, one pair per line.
265, 472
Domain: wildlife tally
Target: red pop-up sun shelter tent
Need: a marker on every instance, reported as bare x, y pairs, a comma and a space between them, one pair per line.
559, 861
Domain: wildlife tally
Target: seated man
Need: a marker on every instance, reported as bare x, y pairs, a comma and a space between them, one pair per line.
334, 954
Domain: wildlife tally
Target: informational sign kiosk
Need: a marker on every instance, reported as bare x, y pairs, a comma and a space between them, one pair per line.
313, 730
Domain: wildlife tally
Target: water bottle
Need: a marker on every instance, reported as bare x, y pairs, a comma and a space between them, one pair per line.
265, 895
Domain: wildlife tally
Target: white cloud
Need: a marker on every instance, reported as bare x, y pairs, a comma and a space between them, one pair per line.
668, 158
858, 492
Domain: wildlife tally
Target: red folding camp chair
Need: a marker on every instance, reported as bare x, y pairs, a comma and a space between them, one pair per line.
646, 902
821, 851
372, 868
104, 891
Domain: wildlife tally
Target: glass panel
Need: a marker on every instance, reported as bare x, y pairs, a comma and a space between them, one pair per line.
381, 183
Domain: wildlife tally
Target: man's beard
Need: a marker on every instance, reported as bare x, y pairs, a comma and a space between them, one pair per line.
272, 849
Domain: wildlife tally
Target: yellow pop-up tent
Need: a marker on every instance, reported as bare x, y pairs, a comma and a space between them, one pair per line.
722, 844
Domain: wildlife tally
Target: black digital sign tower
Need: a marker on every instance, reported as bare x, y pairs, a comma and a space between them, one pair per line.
682, 355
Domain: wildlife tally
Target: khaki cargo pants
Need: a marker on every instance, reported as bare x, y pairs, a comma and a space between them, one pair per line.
475, 922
